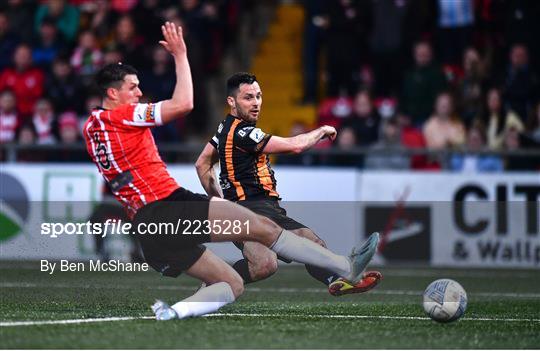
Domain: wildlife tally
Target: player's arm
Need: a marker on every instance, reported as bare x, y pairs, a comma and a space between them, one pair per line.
181, 102
205, 170
299, 143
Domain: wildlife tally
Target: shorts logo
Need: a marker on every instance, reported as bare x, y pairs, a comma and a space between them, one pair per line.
224, 184
257, 135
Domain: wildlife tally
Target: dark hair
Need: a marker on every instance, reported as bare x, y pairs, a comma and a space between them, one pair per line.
112, 75
237, 79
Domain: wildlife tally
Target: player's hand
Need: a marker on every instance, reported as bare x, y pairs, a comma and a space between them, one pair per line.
174, 39
329, 132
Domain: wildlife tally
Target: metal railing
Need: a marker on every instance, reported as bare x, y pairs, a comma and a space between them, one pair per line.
188, 152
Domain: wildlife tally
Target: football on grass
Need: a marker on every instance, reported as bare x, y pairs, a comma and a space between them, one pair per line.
445, 300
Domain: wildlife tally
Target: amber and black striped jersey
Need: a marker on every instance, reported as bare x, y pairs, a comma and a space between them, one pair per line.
245, 171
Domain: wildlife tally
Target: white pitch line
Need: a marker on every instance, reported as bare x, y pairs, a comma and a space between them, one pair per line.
342, 316
71, 321
255, 289
252, 315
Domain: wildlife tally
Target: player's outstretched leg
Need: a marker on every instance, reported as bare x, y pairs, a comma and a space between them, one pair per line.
337, 286
224, 285
341, 286
288, 244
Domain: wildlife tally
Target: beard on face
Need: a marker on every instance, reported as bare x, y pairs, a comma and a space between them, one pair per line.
245, 114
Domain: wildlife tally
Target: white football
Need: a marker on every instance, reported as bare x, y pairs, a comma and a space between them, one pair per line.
445, 300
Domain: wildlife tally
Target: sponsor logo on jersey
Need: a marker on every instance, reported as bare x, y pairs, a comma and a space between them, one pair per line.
144, 113
242, 132
150, 115
257, 135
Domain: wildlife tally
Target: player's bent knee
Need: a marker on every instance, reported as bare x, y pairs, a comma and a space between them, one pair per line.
265, 268
237, 285
265, 230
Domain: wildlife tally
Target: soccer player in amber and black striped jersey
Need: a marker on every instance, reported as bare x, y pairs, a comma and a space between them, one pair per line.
119, 141
247, 178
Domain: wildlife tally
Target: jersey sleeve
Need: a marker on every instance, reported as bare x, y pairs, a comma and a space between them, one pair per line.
250, 139
139, 115
215, 139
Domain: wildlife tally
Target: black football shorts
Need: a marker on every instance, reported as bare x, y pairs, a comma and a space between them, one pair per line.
270, 208
176, 245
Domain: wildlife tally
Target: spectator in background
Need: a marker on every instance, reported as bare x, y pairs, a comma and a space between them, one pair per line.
8, 41
444, 128
471, 85
25, 80
68, 128
87, 57
390, 142
129, 42
98, 20
512, 142
123, 6
499, 119
112, 55
63, 87
47, 45
346, 43
521, 25
92, 102
421, 84
455, 28
364, 120
346, 141
203, 26
302, 159
158, 82
314, 24
21, 16
26, 134
8, 117
520, 82
44, 122
65, 16
148, 12
386, 43
412, 138
69, 133
467, 162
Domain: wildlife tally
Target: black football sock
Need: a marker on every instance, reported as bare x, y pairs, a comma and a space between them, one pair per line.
242, 268
323, 275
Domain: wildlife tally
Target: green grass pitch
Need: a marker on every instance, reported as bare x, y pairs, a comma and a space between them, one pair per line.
289, 310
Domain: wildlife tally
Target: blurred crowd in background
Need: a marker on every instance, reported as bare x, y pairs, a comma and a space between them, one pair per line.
441, 74
389, 74
51, 50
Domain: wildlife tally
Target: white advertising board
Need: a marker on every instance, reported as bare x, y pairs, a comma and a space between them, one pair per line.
447, 219
487, 220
